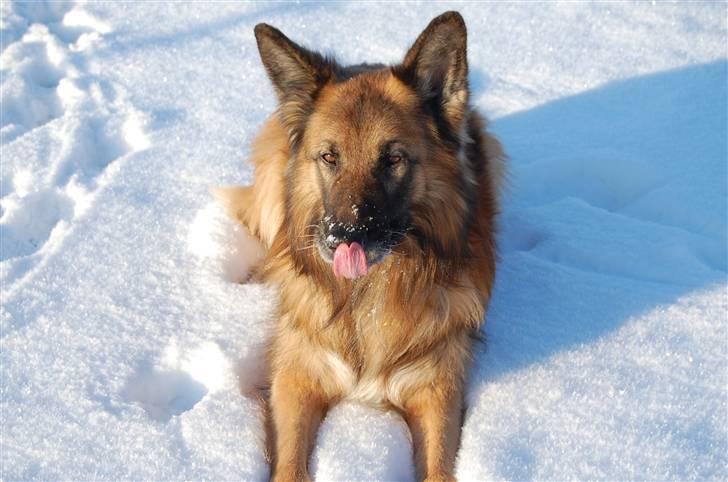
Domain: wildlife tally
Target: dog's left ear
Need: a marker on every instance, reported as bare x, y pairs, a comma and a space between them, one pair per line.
437, 67
297, 75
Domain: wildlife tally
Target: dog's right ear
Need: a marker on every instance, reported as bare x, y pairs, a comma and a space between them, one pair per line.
297, 75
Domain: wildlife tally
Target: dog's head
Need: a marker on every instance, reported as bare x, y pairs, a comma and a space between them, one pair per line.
376, 152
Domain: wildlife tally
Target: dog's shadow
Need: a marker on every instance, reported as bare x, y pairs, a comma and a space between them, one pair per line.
616, 205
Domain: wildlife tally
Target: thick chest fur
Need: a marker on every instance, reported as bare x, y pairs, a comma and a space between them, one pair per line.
383, 344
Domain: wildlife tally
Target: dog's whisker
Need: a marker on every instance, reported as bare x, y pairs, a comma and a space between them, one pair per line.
304, 248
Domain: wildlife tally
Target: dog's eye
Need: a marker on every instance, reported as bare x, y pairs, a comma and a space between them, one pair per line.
329, 158
394, 159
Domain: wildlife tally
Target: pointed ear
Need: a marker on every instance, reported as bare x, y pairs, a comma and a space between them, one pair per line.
297, 75
437, 67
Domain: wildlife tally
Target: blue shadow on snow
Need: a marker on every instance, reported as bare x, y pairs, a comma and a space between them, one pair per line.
617, 205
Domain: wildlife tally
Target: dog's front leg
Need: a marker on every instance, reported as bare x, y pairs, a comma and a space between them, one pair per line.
297, 406
434, 416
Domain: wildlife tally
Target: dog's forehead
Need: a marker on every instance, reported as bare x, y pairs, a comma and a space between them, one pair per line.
365, 112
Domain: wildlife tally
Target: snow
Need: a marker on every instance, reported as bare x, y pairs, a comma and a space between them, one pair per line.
127, 339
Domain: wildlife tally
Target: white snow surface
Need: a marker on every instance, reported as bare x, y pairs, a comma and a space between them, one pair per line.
127, 338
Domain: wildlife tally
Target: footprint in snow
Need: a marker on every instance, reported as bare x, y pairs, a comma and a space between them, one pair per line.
179, 381
77, 124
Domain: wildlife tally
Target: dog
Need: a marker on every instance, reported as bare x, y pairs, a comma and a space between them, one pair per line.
375, 197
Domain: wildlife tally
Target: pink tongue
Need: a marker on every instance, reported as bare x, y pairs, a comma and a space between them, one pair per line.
350, 261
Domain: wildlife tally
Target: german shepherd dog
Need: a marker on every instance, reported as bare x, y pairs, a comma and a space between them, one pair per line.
375, 196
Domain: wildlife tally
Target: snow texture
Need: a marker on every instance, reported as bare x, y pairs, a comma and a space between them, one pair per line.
128, 341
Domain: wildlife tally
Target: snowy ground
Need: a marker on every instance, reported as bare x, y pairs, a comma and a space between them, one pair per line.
125, 339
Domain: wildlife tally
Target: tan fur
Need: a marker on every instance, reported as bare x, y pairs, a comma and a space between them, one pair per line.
260, 207
401, 337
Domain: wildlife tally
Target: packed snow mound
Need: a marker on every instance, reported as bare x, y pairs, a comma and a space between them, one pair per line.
133, 335
223, 246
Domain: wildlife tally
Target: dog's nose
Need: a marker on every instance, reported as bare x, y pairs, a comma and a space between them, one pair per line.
337, 233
